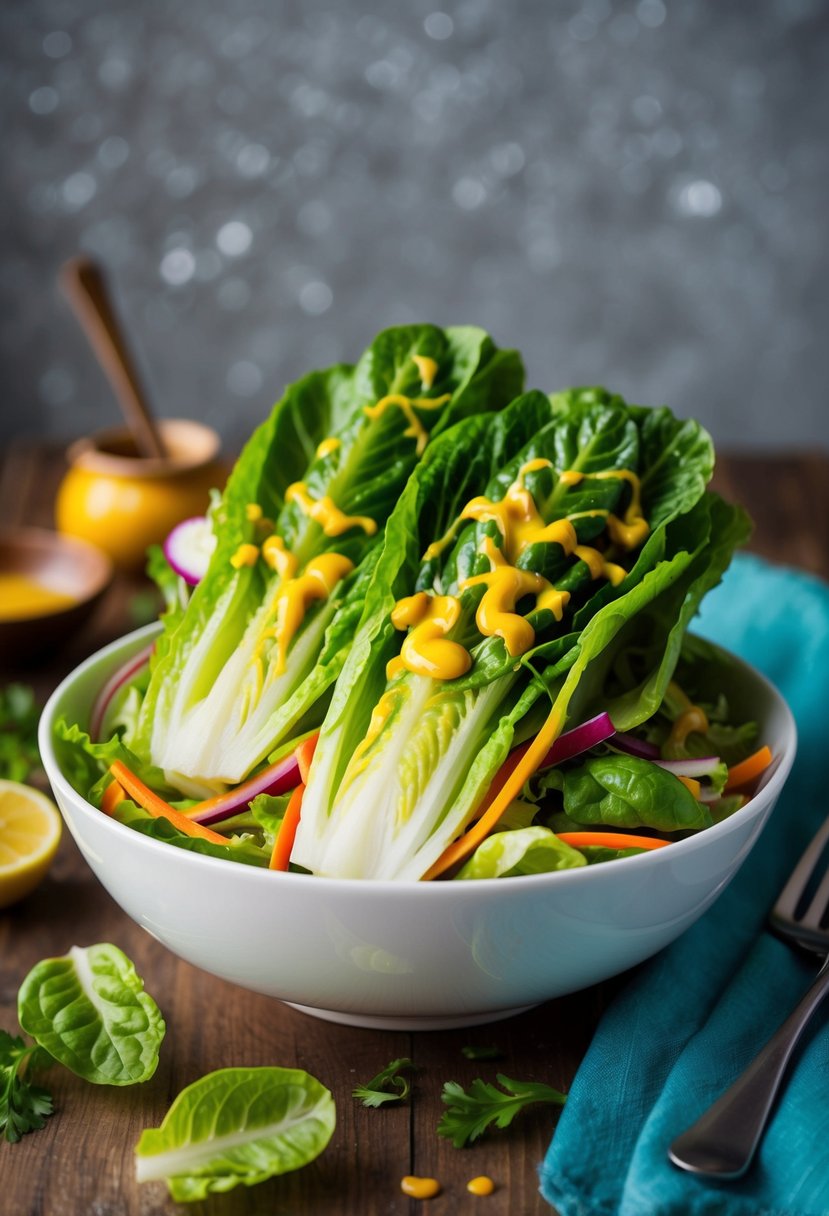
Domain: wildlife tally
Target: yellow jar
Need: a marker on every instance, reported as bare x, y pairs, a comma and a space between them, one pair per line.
123, 502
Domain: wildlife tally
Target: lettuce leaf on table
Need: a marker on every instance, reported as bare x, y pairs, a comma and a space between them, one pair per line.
236, 1126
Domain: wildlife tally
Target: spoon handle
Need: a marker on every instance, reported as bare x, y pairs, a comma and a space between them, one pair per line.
722, 1143
85, 287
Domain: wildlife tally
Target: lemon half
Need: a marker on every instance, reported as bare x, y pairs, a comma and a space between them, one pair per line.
30, 827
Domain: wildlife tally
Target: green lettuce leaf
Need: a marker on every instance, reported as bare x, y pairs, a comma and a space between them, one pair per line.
626, 792
421, 775
208, 718
236, 1126
88, 1009
531, 850
242, 848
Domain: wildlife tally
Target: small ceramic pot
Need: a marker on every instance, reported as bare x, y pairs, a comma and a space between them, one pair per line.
124, 502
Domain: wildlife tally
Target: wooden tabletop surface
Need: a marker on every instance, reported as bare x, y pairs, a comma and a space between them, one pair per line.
82, 1161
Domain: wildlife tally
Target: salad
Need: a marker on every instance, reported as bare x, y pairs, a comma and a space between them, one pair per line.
435, 627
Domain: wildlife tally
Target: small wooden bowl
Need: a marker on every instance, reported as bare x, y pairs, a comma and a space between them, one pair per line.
61, 563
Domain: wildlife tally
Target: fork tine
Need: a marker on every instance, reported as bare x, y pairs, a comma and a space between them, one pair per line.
817, 909
787, 902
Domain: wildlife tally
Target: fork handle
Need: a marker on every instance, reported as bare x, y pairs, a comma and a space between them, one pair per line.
722, 1143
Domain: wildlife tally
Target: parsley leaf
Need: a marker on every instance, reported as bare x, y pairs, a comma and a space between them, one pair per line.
24, 1107
379, 1089
482, 1053
18, 732
470, 1112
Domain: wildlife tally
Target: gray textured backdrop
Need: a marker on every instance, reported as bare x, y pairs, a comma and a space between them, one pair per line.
632, 193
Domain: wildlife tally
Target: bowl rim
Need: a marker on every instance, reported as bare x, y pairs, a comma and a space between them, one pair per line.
381, 888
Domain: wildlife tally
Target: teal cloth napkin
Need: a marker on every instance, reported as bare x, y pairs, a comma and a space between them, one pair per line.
690, 1019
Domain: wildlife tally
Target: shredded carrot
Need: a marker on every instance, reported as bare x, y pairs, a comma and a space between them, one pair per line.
692, 784
748, 770
509, 788
610, 840
113, 794
284, 841
157, 807
305, 754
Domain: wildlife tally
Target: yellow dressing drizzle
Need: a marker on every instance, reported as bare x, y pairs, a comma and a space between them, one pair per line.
253, 512
496, 615
419, 1188
598, 566
381, 713
628, 532
520, 524
394, 667
326, 513
426, 650
327, 447
415, 429
22, 597
533, 466
480, 1185
245, 555
518, 519
427, 369
317, 581
278, 557
437, 546
634, 528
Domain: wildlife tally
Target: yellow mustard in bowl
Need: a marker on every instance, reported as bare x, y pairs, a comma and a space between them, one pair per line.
124, 502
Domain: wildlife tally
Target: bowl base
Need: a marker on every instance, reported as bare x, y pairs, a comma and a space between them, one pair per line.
409, 1021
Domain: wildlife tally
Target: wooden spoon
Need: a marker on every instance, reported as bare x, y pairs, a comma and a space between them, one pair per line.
84, 285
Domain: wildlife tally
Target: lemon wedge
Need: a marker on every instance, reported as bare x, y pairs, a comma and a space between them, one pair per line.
30, 827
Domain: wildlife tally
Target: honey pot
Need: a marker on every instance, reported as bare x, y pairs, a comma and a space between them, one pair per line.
122, 502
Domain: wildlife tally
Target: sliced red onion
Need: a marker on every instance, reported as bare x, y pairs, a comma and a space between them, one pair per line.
700, 766
580, 739
189, 547
117, 680
635, 747
278, 778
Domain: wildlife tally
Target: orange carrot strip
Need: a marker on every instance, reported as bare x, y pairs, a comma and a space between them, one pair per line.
692, 784
286, 835
113, 794
157, 807
526, 765
610, 840
305, 754
748, 770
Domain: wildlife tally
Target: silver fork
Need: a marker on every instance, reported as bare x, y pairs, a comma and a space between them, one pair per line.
722, 1143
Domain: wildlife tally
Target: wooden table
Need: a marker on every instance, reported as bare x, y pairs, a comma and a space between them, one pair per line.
82, 1161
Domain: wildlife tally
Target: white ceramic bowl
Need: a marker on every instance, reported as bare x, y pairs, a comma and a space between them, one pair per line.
414, 955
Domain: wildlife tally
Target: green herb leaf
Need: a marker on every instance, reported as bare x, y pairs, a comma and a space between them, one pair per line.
237, 1125
19, 715
470, 1112
470, 1052
379, 1089
24, 1107
89, 1011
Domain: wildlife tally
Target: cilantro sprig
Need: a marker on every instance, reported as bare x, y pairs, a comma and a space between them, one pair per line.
388, 1086
24, 1106
470, 1112
19, 715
